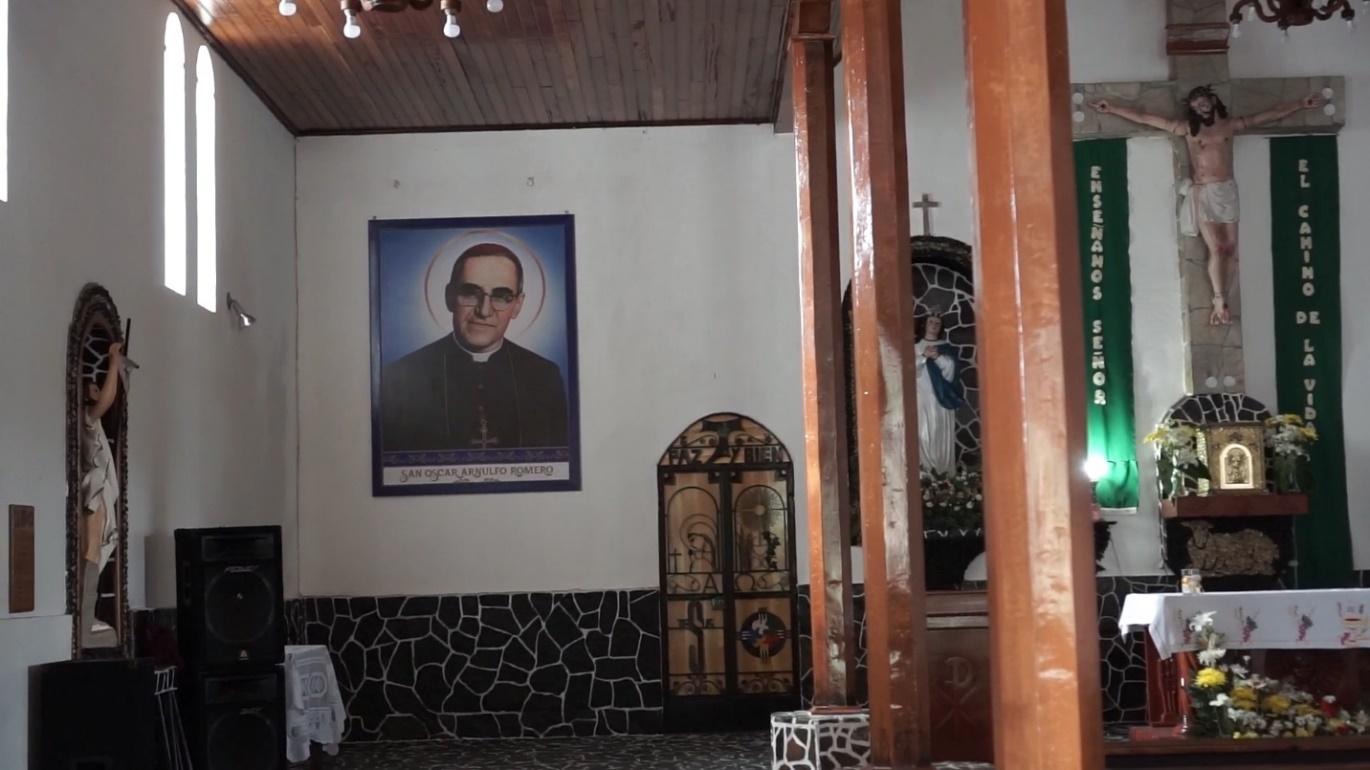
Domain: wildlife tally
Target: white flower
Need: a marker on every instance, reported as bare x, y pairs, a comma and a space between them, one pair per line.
1211, 656
1201, 621
1222, 699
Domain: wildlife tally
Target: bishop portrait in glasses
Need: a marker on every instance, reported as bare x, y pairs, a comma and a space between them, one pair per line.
474, 389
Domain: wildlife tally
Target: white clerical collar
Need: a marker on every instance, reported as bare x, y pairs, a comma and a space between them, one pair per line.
479, 358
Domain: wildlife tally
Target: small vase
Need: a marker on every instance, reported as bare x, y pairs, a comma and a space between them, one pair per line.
1287, 476
1177, 483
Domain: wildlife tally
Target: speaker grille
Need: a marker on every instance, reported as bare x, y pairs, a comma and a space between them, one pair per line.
245, 739
239, 605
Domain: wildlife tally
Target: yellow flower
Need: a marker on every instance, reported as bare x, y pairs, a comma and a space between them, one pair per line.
1309, 432
1244, 693
1210, 678
1243, 704
1156, 435
1303, 709
1302, 733
1275, 704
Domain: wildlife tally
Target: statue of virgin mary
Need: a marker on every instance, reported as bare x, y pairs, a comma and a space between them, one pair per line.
939, 396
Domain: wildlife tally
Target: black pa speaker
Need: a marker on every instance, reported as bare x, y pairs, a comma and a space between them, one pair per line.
237, 719
229, 605
93, 715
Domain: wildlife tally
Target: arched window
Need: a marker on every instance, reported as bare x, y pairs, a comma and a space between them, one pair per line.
4, 99
206, 220
174, 156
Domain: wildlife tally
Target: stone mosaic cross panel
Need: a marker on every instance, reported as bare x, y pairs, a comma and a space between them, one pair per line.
1214, 361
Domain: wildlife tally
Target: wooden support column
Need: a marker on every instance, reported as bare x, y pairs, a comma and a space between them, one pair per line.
891, 504
825, 419
1043, 619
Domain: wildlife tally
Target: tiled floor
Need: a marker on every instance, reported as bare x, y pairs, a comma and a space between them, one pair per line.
744, 751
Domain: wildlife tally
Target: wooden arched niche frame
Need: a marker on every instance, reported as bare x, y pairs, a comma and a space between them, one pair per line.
97, 591
943, 278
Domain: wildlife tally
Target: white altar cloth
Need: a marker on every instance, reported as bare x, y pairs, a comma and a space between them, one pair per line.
1254, 620
314, 709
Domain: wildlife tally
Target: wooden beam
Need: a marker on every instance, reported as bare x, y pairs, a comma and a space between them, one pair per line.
825, 418
882, 312
808, 19
1043, 623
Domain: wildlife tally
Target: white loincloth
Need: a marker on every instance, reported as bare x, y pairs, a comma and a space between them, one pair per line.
1209, 202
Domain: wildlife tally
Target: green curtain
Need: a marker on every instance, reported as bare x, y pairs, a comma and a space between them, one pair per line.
1101, 185
1306, 254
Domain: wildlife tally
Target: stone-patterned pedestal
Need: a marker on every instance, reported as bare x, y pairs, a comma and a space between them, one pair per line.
820, 739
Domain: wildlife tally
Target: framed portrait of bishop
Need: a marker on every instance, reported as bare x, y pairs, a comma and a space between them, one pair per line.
473, 355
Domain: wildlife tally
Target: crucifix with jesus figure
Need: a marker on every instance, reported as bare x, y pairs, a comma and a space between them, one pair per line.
1193, 107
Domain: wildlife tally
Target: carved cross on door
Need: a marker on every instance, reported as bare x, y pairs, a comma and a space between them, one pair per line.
1197, 41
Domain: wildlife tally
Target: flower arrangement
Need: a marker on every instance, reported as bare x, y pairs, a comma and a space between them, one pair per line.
1230, 701
953, 500
1179, 466
1288, 438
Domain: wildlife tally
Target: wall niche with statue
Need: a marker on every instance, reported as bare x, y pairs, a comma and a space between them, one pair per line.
97, 478
948, 383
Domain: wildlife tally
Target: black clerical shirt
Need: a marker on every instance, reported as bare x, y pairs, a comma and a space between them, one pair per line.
439, 398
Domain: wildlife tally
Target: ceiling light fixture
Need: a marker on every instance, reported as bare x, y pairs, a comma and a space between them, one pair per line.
1290, 13
449, 9
351, 29
352, 10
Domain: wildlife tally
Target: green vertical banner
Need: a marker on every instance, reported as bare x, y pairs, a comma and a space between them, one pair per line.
1305, 220
1101, 184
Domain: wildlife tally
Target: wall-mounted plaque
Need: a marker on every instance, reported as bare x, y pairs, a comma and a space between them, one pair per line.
21, 558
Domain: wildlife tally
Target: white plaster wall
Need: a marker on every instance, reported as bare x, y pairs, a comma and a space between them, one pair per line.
1116, 40
212, 409
1323, 49
687, 286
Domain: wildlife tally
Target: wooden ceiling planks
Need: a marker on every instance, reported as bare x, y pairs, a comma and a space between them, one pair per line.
538, 64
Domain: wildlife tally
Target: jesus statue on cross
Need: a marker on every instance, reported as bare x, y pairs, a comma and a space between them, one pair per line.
1209, 203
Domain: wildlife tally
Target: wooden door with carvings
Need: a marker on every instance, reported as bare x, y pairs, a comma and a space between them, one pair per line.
728, 592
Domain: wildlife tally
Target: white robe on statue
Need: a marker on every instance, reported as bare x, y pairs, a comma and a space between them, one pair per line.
936, 423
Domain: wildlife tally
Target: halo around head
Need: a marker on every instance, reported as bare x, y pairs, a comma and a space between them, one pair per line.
440, 272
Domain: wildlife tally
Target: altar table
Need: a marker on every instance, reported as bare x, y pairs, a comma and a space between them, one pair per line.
1322, 635
1254, 620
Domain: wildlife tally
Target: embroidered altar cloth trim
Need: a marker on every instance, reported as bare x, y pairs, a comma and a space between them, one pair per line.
1254, 620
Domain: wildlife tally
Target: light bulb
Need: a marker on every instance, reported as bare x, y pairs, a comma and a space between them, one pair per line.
1236, 29
451, 29
1096, 467
1251, 13
495, 6
288, 8
352, 30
